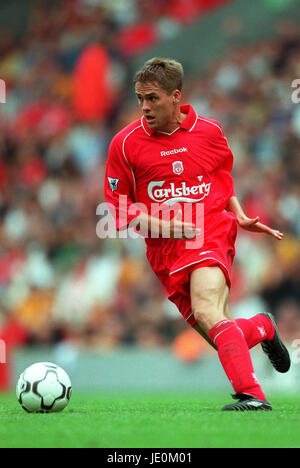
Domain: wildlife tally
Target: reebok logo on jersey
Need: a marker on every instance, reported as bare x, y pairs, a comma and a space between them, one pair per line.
174, 151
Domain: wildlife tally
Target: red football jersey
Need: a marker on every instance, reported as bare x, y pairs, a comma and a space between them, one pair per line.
188, 166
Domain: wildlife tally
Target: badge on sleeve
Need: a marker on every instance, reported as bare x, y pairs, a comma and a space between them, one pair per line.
113, 183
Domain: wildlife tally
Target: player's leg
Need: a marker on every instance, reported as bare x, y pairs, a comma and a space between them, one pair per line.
262, 329
209, 295
256, 329
204, 335
183, 304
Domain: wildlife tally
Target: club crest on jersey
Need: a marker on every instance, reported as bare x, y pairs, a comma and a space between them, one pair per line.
177, 167
113, 183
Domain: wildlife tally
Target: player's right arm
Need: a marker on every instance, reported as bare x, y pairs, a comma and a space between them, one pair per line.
174, 228
119, 185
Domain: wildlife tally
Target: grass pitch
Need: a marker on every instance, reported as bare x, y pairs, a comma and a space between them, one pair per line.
151, 420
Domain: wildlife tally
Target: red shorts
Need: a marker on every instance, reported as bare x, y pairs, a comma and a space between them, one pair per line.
173, 262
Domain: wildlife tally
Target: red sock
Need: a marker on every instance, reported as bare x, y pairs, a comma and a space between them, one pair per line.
235, 358
256, 329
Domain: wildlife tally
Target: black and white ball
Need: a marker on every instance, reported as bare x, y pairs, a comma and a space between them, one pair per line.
44, 388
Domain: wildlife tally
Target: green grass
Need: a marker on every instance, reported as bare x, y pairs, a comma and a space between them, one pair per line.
150, 420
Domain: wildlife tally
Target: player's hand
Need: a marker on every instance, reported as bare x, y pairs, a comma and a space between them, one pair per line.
181, 230
253, 224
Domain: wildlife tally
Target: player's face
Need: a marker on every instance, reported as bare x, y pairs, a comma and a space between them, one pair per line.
157, 105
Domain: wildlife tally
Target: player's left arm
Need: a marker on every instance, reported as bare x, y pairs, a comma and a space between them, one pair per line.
233, 204
250, 224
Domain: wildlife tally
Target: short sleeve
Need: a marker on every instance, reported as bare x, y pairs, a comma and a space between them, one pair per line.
119, 188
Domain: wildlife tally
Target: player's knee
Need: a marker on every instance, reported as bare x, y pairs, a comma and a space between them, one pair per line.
207, 308
208, 318
201, 317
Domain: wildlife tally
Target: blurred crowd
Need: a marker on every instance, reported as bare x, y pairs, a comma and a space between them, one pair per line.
58, 280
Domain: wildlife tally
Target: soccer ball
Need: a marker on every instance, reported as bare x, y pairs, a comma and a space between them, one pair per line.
44, 388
